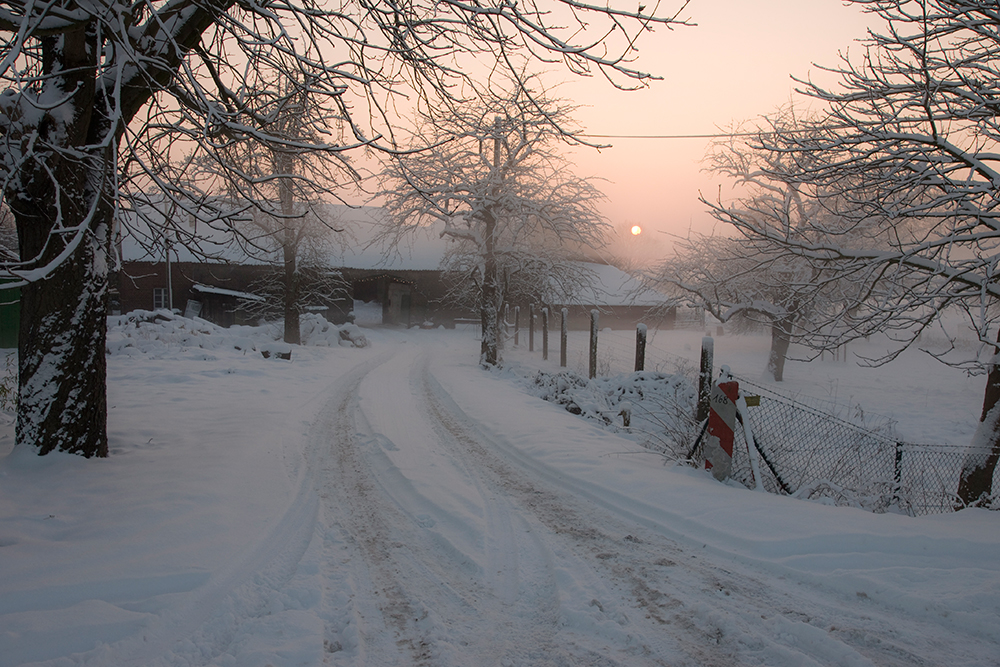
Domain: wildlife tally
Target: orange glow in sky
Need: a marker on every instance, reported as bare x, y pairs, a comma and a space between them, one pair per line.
735, 65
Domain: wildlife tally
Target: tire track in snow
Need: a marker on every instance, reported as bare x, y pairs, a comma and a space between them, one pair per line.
566, 574
431, 598
588, 555
352, 501
716, 611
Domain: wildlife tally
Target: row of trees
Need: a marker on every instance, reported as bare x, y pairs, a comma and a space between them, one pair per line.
878, 213
109, 106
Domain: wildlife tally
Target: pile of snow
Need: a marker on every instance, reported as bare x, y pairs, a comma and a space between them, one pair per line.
317, 331
162, 333
655, 406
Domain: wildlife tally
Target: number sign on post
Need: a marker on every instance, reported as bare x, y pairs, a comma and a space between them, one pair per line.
721, 429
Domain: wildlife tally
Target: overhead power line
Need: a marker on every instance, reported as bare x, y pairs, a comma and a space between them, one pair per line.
720, 135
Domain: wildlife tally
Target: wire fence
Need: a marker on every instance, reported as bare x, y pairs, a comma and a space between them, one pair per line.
809, 448
813, 454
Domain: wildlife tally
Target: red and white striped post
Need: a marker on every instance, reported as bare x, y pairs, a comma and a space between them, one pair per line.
721, 428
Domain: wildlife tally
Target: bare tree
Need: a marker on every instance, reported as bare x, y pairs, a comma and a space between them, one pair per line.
731, 280
910, 146
495, 179
319, 288
102, 98
751, 275
525, 275
279, 183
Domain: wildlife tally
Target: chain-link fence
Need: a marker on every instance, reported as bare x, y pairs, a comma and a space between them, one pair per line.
810, 453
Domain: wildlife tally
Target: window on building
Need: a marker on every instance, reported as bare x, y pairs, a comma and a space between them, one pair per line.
159, 298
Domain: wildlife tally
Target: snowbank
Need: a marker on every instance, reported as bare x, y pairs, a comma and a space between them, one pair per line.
161, 333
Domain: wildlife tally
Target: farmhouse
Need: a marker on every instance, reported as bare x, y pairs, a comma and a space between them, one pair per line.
376, 283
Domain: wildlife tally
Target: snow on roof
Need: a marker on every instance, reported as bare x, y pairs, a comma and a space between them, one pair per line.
356, 245
209, 289
613, 287
421, 250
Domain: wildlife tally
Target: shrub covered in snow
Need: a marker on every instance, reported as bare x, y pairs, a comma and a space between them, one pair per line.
157, 333
658, 407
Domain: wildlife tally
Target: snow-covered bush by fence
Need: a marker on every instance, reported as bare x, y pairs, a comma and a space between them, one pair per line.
657, 407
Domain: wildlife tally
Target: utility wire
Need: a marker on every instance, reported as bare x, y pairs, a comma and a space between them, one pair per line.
722, 135
670, 136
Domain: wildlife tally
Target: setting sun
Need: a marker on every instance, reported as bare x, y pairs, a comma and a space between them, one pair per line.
636, 230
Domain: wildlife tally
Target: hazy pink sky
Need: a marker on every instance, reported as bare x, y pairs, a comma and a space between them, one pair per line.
734, 65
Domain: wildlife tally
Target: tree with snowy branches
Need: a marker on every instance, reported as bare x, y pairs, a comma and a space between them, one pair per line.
751, 276
729, 279
281, 186
910, 148
494, 177
101, 99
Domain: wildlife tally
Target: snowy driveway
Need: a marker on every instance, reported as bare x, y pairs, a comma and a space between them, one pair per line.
398, 506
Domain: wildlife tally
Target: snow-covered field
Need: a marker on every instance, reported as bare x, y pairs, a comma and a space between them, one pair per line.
394, 505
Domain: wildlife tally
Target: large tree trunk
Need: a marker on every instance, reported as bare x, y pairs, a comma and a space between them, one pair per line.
781, 337
980, 460
61, 159
291, 281
62, 368
488, 307
62, 377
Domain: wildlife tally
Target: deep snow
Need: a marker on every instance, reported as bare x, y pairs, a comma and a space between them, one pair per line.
395, 505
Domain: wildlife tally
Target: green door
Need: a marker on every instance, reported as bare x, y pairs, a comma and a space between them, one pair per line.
10, 316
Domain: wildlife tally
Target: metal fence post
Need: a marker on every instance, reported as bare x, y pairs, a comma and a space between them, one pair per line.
898, 475
593, 343
705, 378
640, 348
563, 338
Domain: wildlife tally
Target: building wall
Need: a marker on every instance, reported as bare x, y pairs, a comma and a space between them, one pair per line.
136, 282
408, 298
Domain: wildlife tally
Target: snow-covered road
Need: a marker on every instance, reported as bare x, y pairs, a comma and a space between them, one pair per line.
396, 505
474, 552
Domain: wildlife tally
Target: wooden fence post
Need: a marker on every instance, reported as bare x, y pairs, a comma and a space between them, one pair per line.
545, 334
563, 338
517, 324
531, 327
705, 378
506, 322
640, 348
593, 343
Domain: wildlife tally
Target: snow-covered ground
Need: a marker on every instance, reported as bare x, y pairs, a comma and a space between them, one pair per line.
395, 505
